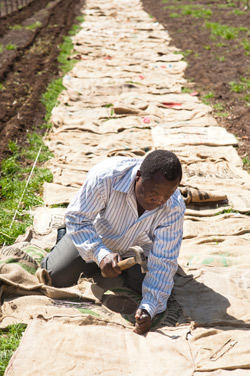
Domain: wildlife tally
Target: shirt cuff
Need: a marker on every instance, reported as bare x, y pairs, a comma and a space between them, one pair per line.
100, 254
150, 308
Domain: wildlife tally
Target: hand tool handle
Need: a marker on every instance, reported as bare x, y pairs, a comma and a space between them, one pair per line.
126, 263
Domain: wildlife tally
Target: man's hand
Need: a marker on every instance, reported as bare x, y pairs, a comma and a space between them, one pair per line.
109, 267
143, 321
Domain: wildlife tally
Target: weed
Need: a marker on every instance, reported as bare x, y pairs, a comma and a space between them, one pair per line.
16, 27
49, 98
186, 52
35, 143
9, 341
2, 87
246, 45
13, 182
238, 12
1, 48
207, 97
224, 31
174, 15
108, 105
222, 114
80, 19
220, 44
196, 11
237, 87
218, 106
33, 26
185, 90
11, 46
207, 47
66, 49
220, 58
246, 162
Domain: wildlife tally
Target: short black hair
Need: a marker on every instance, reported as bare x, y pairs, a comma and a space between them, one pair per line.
164, 161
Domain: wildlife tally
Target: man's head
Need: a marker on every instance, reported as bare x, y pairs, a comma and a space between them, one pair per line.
159, 176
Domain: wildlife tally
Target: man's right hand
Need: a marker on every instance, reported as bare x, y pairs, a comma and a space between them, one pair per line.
109, 267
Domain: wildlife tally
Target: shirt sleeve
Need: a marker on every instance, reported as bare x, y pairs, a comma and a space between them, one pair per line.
80, 215
162, 264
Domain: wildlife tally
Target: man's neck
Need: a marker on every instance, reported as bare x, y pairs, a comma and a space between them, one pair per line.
140, 209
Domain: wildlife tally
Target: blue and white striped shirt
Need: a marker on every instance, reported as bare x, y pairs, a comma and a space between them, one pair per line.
103, 218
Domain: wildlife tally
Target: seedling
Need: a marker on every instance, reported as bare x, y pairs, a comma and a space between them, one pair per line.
223, 31
16, 27
174, 15
11, 46
33, 26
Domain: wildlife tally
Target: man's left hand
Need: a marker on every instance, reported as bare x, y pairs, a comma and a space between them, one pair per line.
143, 321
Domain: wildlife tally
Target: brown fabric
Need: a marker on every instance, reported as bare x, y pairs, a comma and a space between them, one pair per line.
91, 346
220, 348
210, 295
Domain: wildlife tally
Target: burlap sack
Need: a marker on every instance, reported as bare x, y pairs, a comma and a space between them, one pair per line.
83, 346
210, 295
216, 250
220, 348
211, 136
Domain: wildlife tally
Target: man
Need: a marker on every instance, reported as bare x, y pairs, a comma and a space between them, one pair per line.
125, 202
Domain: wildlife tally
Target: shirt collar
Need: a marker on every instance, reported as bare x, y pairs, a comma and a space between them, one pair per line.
126, 183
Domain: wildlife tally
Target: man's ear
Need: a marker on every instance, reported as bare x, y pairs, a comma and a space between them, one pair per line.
138, 175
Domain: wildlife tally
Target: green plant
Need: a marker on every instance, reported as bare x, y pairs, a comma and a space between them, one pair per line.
246, 45
196, 11
108, 105
174, 15
11, 46
9, 341
236, 87
16, 27
224, 31
33, 26
49, 98
238, 12
206, 98
246, 161
13, 182
1, 87
218, 107
220, 58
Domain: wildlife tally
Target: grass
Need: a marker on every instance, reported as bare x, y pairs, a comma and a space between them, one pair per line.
9, 341
13, 180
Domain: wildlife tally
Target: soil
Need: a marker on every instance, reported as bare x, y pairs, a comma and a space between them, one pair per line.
26, 71
213, 62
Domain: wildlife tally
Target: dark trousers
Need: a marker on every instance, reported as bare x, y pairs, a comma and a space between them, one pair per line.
65, 266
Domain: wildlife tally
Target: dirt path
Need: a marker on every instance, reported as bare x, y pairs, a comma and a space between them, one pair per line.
27, 69
214, 62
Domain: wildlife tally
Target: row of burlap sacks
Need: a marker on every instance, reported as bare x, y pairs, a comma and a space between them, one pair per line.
124, 97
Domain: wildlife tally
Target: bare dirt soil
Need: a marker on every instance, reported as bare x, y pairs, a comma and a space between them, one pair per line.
216, 65
29, 41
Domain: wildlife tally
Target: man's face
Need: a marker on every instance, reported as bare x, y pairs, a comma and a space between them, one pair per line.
151, 193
